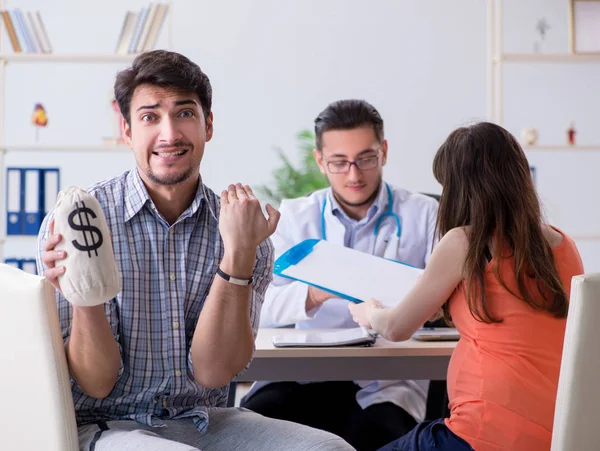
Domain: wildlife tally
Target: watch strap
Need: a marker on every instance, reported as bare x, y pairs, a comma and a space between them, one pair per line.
233, 280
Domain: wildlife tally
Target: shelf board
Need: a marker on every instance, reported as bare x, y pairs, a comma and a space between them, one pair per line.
67, 57
14, 238
549, 58
65, 148
564, 148
585, 237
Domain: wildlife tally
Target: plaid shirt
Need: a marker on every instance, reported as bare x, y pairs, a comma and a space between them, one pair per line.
167, 272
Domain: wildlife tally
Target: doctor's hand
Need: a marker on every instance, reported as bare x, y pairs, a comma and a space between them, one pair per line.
361, 313
242, 224
316, 297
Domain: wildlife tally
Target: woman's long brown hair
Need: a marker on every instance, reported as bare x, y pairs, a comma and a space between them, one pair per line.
486, 185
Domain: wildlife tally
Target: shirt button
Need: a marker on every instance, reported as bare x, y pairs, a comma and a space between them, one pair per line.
178, 373
164, 403
175, 325
172, 276
171, 231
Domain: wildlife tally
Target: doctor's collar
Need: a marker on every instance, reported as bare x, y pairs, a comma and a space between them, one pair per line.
379, 204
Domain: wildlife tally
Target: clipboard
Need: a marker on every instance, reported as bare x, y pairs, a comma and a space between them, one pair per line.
347, 273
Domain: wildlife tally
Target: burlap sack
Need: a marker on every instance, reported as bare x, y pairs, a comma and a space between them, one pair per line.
91, 274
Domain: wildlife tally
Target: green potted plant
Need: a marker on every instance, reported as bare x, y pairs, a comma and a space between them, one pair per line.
291, 181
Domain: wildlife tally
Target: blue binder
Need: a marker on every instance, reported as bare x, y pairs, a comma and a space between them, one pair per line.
30, 194
25, 264
29, 265
533, 172
14, 262
49, 188
347, 273
13, 201
31, 213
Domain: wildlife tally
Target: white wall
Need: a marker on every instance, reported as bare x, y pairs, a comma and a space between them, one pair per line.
274, 65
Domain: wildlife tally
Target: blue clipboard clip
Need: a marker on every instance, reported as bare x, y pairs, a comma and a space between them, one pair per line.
295, 255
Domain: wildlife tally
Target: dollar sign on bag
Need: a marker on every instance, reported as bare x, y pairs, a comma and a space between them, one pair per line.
92, 244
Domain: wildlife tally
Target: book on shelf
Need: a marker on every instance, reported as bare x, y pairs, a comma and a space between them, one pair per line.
26, 31
140, 29
10, 29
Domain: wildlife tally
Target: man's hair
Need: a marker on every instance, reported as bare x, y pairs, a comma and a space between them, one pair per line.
347, 115
166, 70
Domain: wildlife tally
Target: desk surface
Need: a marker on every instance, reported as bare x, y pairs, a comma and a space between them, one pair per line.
381, 348
410, 359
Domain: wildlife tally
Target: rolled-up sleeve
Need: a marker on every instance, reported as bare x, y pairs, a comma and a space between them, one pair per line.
263, 275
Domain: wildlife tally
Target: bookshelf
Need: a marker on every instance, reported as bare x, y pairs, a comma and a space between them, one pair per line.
66, 58
497, 59
565, 148
549, 58
63, 148
9, 57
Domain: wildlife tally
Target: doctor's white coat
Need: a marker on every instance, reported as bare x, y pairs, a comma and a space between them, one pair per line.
301, 219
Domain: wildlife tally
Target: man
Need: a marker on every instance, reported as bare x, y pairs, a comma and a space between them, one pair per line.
361, 211
151, 368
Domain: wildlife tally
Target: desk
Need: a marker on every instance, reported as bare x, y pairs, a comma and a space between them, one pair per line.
385, 360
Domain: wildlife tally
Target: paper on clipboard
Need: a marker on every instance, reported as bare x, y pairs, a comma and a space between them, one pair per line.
347, 273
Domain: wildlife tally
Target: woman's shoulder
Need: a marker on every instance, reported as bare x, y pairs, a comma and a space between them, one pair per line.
553, 236
456, 239
564, 248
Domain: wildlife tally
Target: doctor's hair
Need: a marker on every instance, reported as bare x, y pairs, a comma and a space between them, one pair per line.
166, 70
487, 185
347, 115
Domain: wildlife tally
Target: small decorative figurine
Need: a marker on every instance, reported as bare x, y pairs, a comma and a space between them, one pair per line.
39, 119
571, 132
529, 136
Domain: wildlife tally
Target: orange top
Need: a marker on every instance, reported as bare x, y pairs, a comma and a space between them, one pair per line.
503, 377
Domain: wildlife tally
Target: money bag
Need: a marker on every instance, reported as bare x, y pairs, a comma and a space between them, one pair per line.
91, 274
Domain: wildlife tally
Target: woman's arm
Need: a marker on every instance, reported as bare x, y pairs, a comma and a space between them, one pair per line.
439, 280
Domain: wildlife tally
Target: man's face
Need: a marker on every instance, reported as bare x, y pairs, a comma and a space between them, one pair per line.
355, 187
167, 134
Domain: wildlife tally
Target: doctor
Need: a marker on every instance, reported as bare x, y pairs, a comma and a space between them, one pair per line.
363, 212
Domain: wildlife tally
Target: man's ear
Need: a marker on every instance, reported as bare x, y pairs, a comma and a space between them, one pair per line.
209, 126
384, 150
125, 131
318, 155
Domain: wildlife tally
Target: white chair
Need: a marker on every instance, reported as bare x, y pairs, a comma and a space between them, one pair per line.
37, 406
578, 398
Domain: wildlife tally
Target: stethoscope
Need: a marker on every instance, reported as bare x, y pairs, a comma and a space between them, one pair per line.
388, 213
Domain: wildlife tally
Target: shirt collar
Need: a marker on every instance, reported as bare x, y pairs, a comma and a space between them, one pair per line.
379, 204
137, 196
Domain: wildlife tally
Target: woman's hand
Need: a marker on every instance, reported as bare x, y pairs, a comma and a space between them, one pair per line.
361, 313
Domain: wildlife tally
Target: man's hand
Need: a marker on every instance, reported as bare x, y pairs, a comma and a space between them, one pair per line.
50, 257
316, 297
242, 224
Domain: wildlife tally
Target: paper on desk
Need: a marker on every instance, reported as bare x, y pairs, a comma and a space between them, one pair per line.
349, 273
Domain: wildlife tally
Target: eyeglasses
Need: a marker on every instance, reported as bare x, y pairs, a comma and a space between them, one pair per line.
362, 164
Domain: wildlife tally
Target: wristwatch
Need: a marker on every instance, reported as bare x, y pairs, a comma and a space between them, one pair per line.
234, 280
